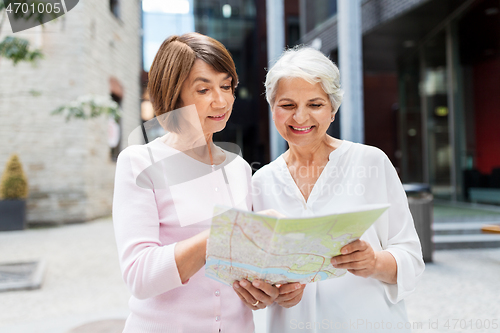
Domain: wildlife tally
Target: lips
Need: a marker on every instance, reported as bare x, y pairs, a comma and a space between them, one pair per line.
301, 129
218, 117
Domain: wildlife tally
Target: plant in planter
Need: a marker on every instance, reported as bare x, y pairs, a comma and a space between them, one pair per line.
13, 192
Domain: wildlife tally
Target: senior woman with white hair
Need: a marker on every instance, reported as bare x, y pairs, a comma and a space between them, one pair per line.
319, 175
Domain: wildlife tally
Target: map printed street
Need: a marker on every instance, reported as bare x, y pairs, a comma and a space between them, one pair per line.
245, 245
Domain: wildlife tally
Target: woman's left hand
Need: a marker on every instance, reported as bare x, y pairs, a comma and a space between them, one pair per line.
256, 295
358, 258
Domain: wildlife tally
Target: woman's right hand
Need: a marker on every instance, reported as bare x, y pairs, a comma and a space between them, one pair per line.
190, 255
360, 259
290, 294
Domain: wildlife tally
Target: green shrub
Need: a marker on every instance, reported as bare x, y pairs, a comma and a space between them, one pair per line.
13, 184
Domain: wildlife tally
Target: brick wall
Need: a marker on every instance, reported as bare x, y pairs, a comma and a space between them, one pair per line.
68, 164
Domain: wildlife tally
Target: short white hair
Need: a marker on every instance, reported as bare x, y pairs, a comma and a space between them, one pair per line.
309, 64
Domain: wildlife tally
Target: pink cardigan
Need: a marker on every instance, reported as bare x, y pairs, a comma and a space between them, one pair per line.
146, 214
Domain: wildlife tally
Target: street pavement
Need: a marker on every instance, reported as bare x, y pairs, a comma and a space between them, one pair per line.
82, 290
82, 281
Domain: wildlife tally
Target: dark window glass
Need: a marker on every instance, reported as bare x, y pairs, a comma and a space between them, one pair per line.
114, 6
318, 11
241, 28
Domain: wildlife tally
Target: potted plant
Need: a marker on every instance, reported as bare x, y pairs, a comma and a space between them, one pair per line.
13, 192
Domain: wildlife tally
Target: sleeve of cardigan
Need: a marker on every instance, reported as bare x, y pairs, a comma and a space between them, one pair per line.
148, 267
403, 242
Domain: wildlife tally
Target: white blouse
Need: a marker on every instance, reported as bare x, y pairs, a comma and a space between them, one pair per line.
355, 174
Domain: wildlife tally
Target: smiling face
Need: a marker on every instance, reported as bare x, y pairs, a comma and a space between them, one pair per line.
302, 112
212, 94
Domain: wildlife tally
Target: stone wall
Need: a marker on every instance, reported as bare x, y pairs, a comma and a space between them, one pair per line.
68, 164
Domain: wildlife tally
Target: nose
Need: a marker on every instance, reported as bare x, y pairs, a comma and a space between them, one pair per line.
218, 101
300, 115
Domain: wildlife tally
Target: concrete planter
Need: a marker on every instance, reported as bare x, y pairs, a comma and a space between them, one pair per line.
12, 215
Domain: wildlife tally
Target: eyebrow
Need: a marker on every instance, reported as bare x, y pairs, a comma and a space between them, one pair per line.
285, 100
316, 99
203, 79
311, 100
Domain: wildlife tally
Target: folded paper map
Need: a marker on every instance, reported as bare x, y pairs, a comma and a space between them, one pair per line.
245, 245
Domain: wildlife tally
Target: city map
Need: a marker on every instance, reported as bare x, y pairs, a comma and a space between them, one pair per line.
246, 245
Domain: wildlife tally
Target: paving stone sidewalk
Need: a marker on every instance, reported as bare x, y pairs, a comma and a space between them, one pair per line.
82, 282
82, 290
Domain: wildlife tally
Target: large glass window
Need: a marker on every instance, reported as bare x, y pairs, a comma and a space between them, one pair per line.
454, 75
410, 122
235, 24
434, 88
227, 21
318, 11
479, 49
426, 151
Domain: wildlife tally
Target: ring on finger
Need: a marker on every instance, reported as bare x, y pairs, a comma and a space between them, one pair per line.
255, 304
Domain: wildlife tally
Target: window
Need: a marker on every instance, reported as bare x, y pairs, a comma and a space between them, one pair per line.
114, 7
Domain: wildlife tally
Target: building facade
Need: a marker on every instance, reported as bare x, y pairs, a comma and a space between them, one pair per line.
241, 26
93, 49
431, 85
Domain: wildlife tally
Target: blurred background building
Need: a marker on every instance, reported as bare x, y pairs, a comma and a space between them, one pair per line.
241, 26
431, 85
93, 49
431, 102
431, 78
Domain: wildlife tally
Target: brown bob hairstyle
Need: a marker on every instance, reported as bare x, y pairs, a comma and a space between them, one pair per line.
171, 67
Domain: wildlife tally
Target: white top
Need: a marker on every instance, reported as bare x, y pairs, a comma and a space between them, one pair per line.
356, 174
161, 197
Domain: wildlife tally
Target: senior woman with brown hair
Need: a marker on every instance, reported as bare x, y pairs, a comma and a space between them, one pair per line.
319, 175
162, 186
